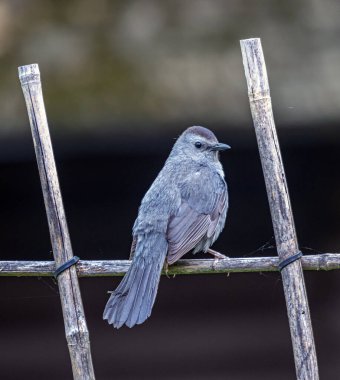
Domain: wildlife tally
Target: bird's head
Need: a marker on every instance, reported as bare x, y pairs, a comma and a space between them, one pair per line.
199, 143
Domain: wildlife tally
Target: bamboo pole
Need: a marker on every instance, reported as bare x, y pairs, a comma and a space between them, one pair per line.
286, 241
76, 331
101, 268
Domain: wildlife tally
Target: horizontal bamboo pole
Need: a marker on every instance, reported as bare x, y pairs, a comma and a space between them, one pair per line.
100, 268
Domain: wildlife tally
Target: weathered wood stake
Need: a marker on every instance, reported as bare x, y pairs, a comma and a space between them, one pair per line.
282, 217
77, 334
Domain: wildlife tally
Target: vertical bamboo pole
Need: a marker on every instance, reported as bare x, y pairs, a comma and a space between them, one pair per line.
76, 331
282, 217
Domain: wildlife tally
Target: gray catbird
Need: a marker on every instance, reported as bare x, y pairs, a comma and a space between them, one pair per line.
184, 209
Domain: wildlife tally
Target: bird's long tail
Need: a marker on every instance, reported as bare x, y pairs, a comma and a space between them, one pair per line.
131, 303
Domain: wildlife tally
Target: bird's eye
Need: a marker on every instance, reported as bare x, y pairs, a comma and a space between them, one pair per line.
198, 145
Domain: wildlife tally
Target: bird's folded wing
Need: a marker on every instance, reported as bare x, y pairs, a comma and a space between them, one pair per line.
197, 216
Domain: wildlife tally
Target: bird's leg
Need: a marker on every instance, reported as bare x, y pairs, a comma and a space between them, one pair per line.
216, 254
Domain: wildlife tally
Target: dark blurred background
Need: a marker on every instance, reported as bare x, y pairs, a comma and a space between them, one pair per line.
121, 80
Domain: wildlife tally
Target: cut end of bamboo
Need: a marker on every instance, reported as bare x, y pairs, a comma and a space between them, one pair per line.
29, 74
253, 40
255, 68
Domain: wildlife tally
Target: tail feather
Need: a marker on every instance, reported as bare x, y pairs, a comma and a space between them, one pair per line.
133, 316
150, 294
122, 309
131, 303
111, 307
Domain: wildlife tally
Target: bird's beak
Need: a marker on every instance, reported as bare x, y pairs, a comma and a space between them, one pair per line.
220, 146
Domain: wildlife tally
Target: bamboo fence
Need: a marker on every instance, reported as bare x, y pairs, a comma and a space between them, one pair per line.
289, 259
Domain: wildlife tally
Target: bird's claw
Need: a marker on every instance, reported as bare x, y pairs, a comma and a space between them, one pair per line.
166, 269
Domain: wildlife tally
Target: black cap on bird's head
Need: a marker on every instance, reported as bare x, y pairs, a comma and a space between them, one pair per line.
200, 141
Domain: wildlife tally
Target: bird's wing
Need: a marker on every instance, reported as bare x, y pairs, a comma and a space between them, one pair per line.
202, 204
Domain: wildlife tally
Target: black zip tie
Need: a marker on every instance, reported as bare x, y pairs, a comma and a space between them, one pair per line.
289, 260
66, 265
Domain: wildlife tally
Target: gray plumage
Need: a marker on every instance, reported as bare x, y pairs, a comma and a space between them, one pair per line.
184, 209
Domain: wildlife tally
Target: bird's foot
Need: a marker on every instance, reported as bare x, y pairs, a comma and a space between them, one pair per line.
217, 255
